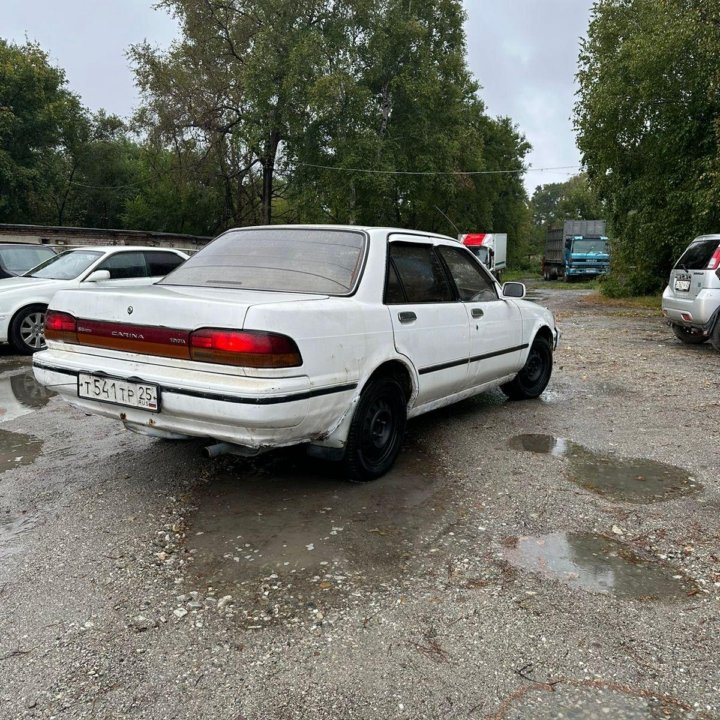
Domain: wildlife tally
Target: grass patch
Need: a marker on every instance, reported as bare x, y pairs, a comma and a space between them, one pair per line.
652, 302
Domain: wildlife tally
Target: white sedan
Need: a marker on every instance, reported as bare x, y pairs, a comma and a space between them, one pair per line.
273, 336
24, 299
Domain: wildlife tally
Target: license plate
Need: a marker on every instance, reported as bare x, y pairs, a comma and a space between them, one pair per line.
119, 392
683, 285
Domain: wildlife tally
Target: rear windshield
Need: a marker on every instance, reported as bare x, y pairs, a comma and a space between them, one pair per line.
319, 261
698, 255
20, 259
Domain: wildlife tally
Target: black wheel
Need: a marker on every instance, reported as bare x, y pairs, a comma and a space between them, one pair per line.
715, 336
27, 332
689, 337
534, 377
376, 430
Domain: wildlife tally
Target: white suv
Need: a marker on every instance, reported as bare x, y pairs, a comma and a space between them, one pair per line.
691, 301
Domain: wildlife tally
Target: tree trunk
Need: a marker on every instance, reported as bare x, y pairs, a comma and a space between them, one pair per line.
268, 166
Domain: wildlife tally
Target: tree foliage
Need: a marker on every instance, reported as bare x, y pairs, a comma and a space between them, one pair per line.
38, 118
648, 122
345, 111
359, 111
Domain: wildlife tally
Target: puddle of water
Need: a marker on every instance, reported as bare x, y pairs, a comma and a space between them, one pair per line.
10, 530
17, 449
20, 394
598, 565
631, 480
290, 517
591, 703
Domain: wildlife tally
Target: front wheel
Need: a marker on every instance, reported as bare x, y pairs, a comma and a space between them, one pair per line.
27, 331
535, 375
376, 430
687, 336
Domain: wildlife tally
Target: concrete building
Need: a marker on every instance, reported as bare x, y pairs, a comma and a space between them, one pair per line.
72, 237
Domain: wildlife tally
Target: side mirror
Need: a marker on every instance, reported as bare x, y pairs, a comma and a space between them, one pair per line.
513, 290
98, 276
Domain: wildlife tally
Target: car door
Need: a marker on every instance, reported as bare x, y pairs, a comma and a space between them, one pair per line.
430, 326
496, 341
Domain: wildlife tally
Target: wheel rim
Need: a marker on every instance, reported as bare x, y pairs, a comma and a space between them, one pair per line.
32, 330
379, 430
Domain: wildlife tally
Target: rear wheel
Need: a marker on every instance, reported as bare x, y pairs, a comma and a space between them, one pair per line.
687, 336
535, 375
376, 430
27, 331
715, 336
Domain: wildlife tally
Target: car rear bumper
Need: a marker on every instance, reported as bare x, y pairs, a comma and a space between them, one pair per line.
257, 413
690, 312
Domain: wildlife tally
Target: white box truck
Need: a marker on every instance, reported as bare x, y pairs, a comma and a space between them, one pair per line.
490, 248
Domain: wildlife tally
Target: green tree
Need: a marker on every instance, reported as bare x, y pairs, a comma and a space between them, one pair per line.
648, 123
39, 117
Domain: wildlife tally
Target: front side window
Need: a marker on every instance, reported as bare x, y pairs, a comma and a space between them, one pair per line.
472, 283
323, 261
66, 266
420, 273
124, 265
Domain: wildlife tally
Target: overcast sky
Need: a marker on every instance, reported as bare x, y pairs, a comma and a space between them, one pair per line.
523, 53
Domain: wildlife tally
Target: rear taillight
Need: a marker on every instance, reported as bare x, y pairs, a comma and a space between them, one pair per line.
60, 326
247, 348
714, 260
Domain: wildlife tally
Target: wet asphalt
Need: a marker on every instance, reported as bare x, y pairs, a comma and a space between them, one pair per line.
550, 559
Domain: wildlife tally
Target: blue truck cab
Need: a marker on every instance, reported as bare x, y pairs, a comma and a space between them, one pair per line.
580, 249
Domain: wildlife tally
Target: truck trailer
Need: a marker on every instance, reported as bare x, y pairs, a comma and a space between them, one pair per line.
490, 248
577, 250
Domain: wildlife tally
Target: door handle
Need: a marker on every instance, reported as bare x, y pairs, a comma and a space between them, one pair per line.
407, 317
477, 312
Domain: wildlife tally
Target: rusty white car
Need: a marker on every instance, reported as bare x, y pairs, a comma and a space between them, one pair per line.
331, 336
24, 299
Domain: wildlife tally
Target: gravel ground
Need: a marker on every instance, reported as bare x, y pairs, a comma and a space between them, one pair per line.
490, 575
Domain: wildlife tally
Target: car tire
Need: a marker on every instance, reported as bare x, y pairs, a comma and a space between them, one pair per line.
530, 382
715, 336
376, 430
687, 336
26, 329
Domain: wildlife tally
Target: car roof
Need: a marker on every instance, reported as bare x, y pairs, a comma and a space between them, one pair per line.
370, 229
119, 248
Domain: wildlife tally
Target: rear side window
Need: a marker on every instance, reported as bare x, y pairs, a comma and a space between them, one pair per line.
161, 263
698, 255
421, 274
323, 261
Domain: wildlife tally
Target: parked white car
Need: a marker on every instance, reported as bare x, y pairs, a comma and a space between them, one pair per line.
691, 299
24, 299
275, 336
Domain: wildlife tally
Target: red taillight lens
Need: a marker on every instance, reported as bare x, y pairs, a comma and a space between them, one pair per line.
714, 260
246, 348
60, 326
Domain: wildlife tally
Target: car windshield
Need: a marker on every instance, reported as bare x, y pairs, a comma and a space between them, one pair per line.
698, 255
66, 266
595, 245
18, 260
303, 260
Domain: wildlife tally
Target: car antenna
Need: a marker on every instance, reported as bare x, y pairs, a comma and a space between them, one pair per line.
448, 219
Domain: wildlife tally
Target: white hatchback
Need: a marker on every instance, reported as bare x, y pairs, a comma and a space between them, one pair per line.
273, 336
24, 299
